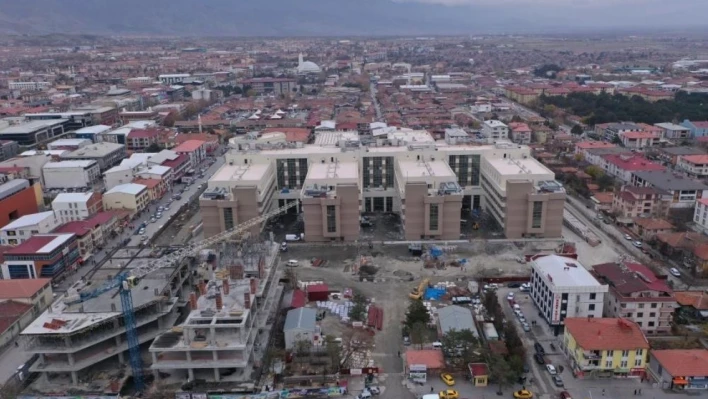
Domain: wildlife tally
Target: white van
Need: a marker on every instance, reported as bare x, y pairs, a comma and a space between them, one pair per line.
437, 345
292, 263
294, 237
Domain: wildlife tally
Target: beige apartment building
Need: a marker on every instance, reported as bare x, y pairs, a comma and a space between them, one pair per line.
432, 185
523, 197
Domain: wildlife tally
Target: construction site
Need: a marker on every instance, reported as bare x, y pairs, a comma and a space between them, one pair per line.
202, 317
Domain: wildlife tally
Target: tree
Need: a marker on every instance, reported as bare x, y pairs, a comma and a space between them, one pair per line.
576, 129
594, 171
334, 352
417, 334
170, 119
501, 373
460, 346
154, 147
605, 182
616, 140
417, 313
302, 347
358, 311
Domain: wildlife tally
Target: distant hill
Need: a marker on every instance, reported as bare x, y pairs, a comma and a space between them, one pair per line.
238, 17
338, 17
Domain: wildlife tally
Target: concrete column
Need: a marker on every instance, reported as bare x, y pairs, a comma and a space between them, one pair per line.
212, 336
71, 358
190, 374
121, 357
67, 342
74, 378
189, 356
44, 377
217, 377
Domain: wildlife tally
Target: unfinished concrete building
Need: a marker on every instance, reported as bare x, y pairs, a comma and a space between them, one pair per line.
75, 341
228, 327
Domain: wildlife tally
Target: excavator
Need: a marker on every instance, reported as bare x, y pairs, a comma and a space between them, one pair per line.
418, 291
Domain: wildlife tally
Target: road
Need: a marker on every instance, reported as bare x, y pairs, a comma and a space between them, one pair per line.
13, 356
610, 235
377, 107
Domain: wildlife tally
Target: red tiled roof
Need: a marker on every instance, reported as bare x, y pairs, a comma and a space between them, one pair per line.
77, 227
99, 218
21, 288
653, 223
11, 311
697, 299
695, 159
431, 358
634, 277
586, 145
188, 146
149, 183
635, 162
32, 245
639, 135
700, 124
173, 163
606, 333
683, 362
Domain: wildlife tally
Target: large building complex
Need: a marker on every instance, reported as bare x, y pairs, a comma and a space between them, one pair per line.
430, 184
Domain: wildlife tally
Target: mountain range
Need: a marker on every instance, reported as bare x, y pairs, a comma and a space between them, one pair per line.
328, 17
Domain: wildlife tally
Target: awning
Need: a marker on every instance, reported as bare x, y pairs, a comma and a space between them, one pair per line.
680, 381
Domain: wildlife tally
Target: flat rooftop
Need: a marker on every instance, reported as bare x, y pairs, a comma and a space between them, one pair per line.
33, 126
94, 150
239, 174
330, 172
518, 166
414, 169
564, 272
333, 138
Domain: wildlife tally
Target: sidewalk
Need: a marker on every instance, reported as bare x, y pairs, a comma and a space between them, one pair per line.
10, 359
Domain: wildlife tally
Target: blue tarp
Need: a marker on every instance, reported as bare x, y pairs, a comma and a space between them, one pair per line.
433, 294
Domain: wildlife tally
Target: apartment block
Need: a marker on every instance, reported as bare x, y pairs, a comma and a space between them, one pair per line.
561, 287
636, 294
632, 201
495, 130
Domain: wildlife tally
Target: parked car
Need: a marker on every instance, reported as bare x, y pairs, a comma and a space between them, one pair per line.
292, 263
375, 390
539, 348
557, 381
637, 244
526, 327
449, 394
513, 285
510, 296
523, 394
674, 272
551, 369
447, 379
364, 395
283, 246
539, 358
565, 395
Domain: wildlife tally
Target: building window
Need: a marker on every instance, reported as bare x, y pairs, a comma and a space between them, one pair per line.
639, 352
610, 353
434, 213
652, 314
537, 215
608, 364
228, 218
651, 324
591, 306
331, 219
623, 364
641, 306
637, 362
640, 314
593, 296
653, 305
625, 353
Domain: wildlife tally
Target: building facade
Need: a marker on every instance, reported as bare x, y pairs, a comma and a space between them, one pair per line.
77, 206
26, 226
561, 287
605, 347
683, 370
131, 197
431, 185
636, 294
70, 174
42, 256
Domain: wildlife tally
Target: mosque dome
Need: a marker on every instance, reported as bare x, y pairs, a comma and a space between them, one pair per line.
307, 66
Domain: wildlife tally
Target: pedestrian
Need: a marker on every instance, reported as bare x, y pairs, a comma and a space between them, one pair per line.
17, 345
399, 353
431, 389
635, 392
603, 391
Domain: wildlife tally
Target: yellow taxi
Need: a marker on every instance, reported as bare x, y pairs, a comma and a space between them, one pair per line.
523, 394
447, 379
449, 394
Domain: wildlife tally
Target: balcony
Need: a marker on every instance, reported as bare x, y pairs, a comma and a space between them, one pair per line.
592, 355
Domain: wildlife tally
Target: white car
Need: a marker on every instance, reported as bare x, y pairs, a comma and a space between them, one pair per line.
628, 237
292, 263
510, 296
551, 369
637, 244
674, 272
522, 319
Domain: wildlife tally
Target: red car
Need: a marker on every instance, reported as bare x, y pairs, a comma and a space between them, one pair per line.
565, 395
